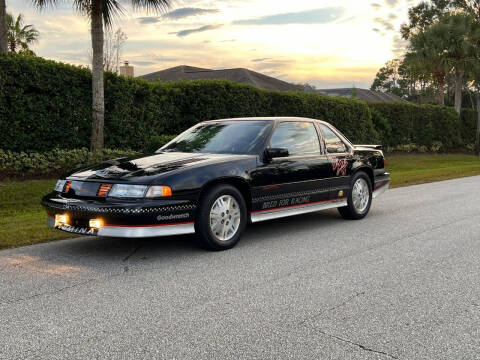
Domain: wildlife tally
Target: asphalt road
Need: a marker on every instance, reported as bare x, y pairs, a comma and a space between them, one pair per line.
404, 283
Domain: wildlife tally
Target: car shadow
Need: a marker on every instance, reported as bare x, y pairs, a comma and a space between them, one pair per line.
103, 255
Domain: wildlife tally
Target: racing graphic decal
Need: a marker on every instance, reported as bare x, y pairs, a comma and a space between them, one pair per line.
286, 202
340, 167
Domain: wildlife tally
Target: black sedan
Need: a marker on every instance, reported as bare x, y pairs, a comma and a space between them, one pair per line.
219, 175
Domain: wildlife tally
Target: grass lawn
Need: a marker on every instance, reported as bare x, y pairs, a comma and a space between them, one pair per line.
23, 220
423, 168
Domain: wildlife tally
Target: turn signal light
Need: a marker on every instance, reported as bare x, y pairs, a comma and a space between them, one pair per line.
95, 223
159, 191
166, 191
61, 219
68, 185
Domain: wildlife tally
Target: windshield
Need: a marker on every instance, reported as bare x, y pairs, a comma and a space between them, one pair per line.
226, 137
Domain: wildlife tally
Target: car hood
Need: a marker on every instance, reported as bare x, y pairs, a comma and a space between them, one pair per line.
146, 168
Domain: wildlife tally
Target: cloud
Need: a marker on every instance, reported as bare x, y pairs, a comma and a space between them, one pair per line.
144, 63
376, 6
392, 2
393, 16
384, 23
176, 14
316, 16
187, 12
186, 32
228, 40
261, 59
399, 45
148, 20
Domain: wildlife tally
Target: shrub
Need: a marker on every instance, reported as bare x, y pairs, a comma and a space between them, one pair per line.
423, 125
156, 142
382, 126
52, 163
468, 128
46, 105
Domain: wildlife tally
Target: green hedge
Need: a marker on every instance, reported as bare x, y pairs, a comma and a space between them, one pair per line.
424, 125
468, 126
52, 163
46, 105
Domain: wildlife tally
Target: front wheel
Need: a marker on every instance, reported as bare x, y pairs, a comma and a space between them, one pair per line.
221, 218
359, 198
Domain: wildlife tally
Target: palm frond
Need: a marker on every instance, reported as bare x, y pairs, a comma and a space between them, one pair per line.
112, 9
44, 4
152, 5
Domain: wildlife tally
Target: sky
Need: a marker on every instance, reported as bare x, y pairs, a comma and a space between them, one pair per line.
326, 43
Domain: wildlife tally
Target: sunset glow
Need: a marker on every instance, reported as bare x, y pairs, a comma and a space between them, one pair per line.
323, 42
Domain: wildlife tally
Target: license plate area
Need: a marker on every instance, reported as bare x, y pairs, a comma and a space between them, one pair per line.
77, 230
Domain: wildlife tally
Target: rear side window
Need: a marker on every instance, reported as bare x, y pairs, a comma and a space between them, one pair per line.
298, 137
333, 143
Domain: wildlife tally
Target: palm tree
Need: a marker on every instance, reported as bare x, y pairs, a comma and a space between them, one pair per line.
462, 34
3, 27
101, 13
20, 36
427, 50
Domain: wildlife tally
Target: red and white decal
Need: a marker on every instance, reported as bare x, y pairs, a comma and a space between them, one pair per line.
340, 166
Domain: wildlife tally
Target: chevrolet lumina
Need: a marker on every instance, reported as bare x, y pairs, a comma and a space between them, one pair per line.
218, 176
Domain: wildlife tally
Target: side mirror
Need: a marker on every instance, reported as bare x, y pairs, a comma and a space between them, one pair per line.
273, 153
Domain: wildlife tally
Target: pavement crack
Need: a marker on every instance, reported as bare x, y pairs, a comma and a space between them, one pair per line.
343, 303
363, 347
133, 252
51, 292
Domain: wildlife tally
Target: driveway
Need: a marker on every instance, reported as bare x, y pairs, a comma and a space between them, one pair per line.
404, 283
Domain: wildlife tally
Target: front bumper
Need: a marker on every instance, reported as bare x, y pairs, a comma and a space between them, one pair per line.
130, 219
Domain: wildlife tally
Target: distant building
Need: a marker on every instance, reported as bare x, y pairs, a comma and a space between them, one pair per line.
361, 94
126, 69
239, 75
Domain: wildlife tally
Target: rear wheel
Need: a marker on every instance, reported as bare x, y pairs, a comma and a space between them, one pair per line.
359, 198
221, 218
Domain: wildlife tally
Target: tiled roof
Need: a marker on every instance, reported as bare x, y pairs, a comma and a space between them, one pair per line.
239, 75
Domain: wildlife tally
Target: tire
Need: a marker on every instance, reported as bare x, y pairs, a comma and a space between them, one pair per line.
358, 205
212, 234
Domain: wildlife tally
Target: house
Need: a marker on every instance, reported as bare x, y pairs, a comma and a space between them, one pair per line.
361, 94
240, 75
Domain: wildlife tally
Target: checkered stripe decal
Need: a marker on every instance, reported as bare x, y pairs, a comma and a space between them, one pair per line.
116, 210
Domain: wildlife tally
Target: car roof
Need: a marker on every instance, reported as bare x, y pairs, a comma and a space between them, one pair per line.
269, 118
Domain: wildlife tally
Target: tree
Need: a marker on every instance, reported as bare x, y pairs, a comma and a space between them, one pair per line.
101, 13
427, 50
423, 15
20, 36
112, 48
472, 7
400, 77
3, 27
387, 77
461, 37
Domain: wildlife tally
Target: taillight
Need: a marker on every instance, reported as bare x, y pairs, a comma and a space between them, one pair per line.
384, 163
103, 190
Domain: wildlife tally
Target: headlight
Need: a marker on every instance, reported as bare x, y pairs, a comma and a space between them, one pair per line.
60, 185
158, 191
127, 191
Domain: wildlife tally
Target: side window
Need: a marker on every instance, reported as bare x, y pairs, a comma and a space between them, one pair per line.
297, 137
333, 143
